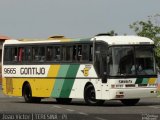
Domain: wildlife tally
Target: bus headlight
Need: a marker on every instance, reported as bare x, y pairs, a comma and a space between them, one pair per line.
152, 85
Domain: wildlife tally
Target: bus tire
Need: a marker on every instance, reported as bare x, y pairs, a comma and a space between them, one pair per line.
90, 95
130, 102
27, 94
64, 100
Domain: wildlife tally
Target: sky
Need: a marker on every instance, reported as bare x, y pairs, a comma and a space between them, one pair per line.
72, 18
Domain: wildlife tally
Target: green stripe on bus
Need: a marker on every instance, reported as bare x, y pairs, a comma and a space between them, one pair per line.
68, 83
145, 81
139, 80
59, 82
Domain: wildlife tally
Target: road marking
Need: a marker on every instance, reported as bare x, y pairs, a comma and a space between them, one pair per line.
100, 118
70, 110
57, 106
156, 107
82, 113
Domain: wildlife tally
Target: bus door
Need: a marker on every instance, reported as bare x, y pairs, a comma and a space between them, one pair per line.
100, 63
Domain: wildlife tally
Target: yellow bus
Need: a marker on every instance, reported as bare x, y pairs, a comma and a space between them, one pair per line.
94, 69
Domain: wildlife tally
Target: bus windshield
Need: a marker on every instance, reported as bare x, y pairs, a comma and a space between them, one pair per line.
131, 60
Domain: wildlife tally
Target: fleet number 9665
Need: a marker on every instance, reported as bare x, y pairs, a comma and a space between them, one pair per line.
9, 70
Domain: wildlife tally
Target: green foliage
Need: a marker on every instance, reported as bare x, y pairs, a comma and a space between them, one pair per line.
150, 29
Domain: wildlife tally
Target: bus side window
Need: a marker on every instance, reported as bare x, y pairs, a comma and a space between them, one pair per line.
79, 53
42, 54
85, 52
28, 54
74, 56
49, 53
57, 56
35, 55
8, 54
14, 54
20, 54
68, 53
90, 52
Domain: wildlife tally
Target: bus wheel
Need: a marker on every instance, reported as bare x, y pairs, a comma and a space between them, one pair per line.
64, 100
130, 102
89, 96
27, 94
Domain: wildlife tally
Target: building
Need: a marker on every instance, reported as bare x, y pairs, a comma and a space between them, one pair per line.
2, 39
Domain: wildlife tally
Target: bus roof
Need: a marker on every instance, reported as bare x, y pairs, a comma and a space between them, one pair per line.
110, 40
50, 40
124, 40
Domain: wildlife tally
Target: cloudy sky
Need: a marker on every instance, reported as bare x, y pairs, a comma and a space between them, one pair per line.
72, 18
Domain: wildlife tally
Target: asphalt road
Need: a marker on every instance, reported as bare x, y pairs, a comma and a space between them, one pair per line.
146, 109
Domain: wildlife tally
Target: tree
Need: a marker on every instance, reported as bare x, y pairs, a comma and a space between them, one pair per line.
150, 29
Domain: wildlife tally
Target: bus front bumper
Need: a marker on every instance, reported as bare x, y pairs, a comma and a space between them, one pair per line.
133, 93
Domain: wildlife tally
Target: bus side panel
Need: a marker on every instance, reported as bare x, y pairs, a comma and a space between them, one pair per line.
4, 86
12, 86
86, 74
41, 87
78, 88
64, 81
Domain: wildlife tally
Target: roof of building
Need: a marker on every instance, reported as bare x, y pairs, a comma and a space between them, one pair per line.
3, 38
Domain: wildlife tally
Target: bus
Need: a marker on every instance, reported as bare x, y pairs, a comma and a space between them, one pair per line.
94, 69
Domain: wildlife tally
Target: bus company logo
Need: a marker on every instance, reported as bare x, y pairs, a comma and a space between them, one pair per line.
85, 71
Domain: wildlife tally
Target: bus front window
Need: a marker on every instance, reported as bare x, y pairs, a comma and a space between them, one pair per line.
131, 60
121, 60
145, 60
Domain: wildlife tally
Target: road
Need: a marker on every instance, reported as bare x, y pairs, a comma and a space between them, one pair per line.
111, 110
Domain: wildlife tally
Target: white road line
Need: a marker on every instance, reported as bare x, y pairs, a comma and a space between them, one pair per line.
82, 113
156, 107
70, 110
100, 118
57, 106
